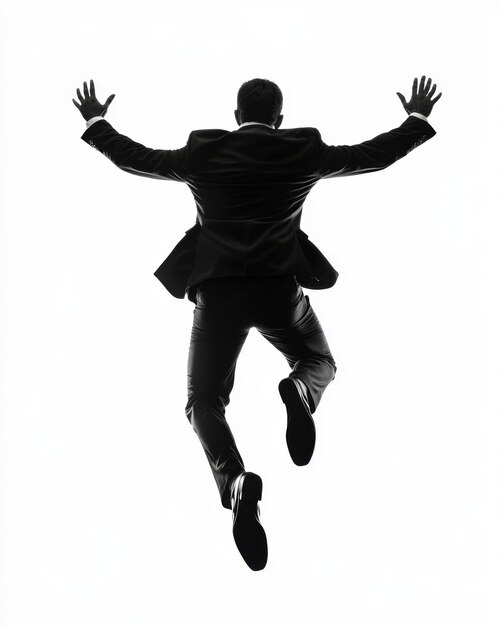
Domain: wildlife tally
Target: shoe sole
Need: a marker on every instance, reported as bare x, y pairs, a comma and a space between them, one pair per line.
301, 433
248, 533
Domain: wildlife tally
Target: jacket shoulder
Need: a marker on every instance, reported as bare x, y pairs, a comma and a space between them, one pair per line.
304, 130
209, 133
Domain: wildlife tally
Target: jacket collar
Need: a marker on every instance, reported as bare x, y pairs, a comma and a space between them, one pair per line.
255, 123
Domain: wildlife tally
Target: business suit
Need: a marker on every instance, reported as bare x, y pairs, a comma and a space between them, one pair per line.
245, 261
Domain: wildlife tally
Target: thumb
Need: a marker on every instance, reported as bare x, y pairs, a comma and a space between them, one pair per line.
107, 104
402, 99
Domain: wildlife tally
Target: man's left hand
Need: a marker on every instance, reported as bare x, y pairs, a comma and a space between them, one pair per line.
89, 105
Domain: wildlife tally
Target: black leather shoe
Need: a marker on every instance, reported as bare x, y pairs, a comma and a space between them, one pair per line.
248, 533
300, 434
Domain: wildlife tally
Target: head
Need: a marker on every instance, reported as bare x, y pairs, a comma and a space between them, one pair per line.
259, 100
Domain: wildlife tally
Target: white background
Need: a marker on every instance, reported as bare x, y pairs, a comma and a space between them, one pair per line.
109, 512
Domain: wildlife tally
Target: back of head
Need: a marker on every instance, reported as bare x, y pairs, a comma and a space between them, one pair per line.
259, 100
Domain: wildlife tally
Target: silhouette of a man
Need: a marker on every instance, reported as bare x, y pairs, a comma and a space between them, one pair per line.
245, 261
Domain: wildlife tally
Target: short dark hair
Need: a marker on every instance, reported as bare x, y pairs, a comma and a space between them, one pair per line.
259, 100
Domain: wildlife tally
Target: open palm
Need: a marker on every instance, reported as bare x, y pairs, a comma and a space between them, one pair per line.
421, 99
89, 105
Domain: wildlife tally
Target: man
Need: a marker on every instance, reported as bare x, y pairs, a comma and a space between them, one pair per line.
245, 261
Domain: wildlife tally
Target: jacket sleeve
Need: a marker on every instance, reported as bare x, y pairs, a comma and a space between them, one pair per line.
135, 158
375, 154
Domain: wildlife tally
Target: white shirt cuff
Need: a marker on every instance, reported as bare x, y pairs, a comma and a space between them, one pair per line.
420, 115
94, 119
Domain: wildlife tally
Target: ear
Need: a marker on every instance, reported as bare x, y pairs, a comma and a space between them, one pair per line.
280, 119
238, 117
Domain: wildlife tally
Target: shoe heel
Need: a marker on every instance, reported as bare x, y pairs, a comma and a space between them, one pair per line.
284, 389
252, 488
287, 389
300, 434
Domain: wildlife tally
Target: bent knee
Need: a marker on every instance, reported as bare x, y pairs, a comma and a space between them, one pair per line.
333, 366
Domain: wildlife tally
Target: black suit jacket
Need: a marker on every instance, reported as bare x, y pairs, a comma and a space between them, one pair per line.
249, 187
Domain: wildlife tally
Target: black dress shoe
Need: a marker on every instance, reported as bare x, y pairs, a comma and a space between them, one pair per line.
248, 533
300, 434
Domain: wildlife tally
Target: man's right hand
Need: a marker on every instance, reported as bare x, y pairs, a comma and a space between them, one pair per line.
420, 101
89, 105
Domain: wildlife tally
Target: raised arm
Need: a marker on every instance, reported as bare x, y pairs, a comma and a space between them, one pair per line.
128, 155
387, 148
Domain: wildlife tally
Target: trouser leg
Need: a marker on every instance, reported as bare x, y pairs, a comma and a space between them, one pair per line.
294, 329
215, 345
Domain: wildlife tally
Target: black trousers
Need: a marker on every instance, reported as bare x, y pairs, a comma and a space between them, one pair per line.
227, 308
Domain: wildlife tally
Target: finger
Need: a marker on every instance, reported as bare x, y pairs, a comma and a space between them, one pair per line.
414, 88
402, 99
437, 98
421, 84
92, 90
86, 91
433, 89
75, 103
427, 86
80, 96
